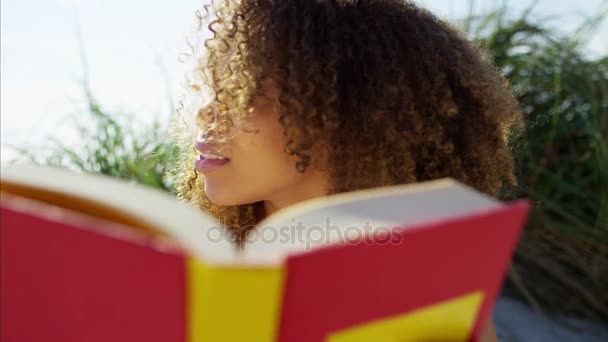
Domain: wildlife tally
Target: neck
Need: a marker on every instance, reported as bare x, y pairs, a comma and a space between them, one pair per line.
313, 188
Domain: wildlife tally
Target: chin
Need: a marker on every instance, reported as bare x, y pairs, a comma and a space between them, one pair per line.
222, 195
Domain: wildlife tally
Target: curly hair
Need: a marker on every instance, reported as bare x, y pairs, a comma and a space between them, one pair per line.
391, 93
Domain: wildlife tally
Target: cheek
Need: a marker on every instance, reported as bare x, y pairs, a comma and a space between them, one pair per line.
262, 157
259, 167
257, 155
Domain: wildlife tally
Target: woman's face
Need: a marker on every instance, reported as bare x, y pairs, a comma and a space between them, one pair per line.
256, 167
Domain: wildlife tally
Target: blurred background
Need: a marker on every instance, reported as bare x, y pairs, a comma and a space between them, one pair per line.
91, 85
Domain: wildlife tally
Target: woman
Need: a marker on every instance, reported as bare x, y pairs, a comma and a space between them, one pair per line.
311, 98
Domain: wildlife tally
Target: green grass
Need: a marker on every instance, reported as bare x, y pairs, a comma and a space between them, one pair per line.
111, 146
562, 260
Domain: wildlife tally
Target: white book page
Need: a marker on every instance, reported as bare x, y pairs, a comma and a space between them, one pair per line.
295, 229
336, 218
189, 226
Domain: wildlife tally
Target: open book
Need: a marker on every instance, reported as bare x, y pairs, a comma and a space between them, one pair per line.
91, 258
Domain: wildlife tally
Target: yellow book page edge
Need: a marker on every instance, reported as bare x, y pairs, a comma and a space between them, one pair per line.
80, 205
450, 320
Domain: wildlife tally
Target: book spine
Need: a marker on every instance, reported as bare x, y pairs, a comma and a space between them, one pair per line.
233, 304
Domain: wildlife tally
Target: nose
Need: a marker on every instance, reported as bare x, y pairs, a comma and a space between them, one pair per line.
205, 135
203, 141
203, 147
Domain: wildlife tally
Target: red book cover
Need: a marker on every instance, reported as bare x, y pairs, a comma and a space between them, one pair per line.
337, 287
67, 278
89, 258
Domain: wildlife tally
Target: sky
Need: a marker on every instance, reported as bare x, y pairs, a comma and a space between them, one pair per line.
131, 50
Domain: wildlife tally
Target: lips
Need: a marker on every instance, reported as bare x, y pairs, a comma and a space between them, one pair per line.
209, 159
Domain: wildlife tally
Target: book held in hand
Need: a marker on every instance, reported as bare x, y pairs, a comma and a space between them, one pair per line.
91, 258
